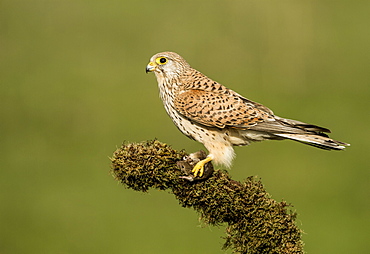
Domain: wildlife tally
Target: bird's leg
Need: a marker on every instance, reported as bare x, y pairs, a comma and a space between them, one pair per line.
199, 167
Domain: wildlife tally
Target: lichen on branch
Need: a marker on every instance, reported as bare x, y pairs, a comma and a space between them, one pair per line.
255, 223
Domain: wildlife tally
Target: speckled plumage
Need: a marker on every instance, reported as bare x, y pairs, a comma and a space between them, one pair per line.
220, 118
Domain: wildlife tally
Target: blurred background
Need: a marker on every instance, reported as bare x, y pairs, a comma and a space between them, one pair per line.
73, 88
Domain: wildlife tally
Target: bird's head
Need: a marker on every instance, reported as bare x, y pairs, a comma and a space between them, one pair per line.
167, 65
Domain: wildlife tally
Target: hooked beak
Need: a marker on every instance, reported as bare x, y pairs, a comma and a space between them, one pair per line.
150, 67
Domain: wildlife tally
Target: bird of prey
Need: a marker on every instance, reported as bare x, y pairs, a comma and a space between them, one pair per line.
220, 118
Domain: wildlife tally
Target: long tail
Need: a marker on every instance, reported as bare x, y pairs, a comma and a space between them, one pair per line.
315, 140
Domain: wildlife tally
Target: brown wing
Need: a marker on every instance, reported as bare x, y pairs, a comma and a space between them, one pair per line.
219, 109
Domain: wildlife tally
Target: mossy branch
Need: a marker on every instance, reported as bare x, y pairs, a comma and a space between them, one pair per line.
255, 222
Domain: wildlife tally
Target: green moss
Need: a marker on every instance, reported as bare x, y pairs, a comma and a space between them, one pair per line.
255, 222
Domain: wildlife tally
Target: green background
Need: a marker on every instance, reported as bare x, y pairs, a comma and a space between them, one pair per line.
73, 87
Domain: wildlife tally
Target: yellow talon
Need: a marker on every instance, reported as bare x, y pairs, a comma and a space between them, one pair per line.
199, 167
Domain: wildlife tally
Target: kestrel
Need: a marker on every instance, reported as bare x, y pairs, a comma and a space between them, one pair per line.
220, 118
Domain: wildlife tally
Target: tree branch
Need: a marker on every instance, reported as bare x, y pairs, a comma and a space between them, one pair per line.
255, 222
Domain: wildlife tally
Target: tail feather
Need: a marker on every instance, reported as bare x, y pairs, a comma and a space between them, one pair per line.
315, 140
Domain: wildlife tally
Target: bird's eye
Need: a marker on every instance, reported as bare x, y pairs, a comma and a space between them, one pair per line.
161, 60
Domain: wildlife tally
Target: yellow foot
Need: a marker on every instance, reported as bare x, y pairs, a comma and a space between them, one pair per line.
199, 167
